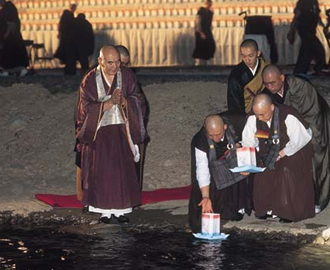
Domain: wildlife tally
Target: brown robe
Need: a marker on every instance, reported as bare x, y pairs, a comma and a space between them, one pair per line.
108, 172
287, 190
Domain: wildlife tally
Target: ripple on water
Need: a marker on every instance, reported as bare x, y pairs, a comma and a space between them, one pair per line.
46, 248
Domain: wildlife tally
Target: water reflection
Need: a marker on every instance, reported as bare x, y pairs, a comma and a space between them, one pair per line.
46, 248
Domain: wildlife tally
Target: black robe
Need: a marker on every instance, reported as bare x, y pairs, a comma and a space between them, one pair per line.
301, 95
204, 48
240, 76
227, 201
13, 54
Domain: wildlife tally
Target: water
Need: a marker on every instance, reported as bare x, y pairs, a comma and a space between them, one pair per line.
47, 248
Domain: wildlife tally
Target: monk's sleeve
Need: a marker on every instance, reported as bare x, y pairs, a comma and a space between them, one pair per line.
248, 138
88, 111
136, 109
305, 100
298, 135
235, 95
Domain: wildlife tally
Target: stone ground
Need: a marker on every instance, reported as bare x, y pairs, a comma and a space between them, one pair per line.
37, 139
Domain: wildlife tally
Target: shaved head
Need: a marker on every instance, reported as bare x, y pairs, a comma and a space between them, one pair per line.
250, 43
263, 107
108, 49
262, 100
215, 127
273, 79
271, 69
109, 60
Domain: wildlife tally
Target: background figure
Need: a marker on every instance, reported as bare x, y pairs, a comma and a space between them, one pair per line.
205, 45
125, 62
13, 54
124, 55
66, 50
84, 40
306, 19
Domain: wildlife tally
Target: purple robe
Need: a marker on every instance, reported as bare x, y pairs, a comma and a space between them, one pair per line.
108, 172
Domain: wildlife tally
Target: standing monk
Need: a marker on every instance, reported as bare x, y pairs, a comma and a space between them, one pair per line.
245, 79
302, 96
109, 127
283, 138
305, 20
205, 45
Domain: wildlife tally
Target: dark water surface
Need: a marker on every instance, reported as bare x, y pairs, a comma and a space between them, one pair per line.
47, 248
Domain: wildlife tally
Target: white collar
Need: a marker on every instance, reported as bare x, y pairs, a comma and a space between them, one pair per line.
255, 68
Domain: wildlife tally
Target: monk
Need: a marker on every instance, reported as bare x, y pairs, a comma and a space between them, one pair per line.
209, 192
245, 79
124, 55
109, 127
285, 189
302, 95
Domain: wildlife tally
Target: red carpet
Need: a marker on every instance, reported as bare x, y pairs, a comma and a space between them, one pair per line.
158, 195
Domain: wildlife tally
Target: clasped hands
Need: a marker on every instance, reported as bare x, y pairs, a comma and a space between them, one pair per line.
116, 98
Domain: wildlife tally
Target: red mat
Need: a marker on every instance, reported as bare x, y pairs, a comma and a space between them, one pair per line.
158, 195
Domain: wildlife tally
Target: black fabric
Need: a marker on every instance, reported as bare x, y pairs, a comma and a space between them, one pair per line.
204, 48
219, 167
273, 144
309, 15
263, 25
311, 48
239, 76
13, 54
67, 50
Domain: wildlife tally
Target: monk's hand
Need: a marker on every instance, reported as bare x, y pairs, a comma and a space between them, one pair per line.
245, 173
116, 96
107, 105
203, 36
206, 205
123, 101
281, 154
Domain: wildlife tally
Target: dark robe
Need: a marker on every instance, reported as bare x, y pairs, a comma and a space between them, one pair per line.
311, 47
67, 48
288, 189
84, 40
227, 201
240, 76
13, 54
302, 96
204, 48
107, 167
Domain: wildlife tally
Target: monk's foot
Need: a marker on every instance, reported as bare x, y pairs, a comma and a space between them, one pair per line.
104, 219
284, 220
123, 219
264, 217
85, 209
238, 217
